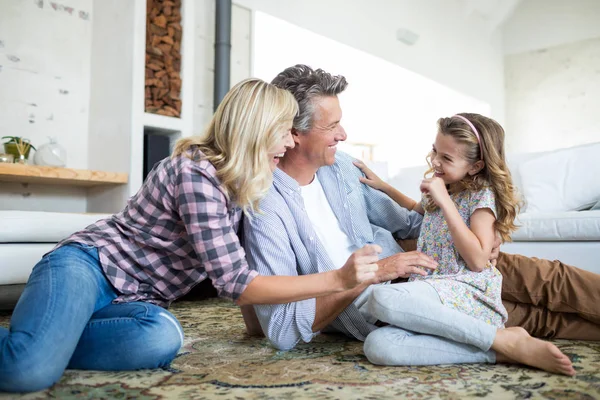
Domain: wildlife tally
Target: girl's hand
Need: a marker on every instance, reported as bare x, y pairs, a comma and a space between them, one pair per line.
436, 188
371, 178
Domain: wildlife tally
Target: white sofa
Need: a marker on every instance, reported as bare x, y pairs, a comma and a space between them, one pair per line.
27, 235
559, 189
554, 185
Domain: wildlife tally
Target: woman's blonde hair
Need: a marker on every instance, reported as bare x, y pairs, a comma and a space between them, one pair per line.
249, 122
495, 172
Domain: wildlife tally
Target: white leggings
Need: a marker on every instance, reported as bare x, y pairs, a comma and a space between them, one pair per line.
423, 331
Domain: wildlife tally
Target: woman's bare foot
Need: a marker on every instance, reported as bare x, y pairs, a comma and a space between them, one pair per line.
515, 345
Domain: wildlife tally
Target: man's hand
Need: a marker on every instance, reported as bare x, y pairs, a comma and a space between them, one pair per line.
403, 265
495, 251
360, 267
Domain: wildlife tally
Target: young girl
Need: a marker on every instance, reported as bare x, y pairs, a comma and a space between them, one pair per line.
469, 199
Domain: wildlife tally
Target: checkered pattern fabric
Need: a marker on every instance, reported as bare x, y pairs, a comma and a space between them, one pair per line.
179, 229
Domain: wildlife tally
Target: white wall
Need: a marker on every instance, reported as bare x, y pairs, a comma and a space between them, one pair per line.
553, 97
44, 81
45, 58
539, 24
115, 142
391, 112
453, 49
552, 74
68, 70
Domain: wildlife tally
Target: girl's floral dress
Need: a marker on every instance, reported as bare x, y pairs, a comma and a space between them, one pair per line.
473, 293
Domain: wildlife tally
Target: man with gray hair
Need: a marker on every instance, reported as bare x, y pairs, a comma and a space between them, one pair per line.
317, 213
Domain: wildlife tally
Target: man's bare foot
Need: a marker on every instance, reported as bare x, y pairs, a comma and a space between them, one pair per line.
515, 345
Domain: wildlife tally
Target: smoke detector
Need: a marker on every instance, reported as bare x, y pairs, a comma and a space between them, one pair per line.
407, 36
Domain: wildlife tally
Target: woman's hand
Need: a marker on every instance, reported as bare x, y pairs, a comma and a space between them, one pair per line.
371, 178
436, 188
361, 266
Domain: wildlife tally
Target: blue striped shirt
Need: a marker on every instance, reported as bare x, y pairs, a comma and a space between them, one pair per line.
282, 241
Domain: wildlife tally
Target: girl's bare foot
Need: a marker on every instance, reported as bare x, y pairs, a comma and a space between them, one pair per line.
514, 345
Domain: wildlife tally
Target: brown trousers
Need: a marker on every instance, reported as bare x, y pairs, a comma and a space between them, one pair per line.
550, 299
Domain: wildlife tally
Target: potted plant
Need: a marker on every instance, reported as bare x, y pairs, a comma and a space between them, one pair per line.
18, 147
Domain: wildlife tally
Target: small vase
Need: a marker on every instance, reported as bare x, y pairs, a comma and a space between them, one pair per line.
51, 154
21, 160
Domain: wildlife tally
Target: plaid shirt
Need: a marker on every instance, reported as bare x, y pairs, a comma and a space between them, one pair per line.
178, 229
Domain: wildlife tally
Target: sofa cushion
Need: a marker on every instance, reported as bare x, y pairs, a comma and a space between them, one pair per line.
18, 259
582, 255
558, 226
408, 180
42, 227
563, 180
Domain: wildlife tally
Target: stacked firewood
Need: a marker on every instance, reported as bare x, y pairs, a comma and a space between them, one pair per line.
163, 57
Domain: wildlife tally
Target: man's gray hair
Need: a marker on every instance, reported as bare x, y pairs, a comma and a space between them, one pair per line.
307, 84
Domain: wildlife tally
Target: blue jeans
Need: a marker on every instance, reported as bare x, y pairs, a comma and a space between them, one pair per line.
423, 331
65, 319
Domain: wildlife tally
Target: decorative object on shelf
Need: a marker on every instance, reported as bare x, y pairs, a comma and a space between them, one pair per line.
6, 158
18, 147
163, 57
51, 154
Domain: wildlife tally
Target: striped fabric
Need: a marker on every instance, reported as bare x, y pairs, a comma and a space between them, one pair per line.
281, 241
179, 229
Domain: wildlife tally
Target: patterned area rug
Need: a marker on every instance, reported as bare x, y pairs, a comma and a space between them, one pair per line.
220, 361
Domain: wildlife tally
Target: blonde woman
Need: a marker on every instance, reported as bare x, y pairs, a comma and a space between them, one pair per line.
97, 301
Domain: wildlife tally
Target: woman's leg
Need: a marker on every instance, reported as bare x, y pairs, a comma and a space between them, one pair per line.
391, 345
416, 306
65, 318
63, 291
128, 336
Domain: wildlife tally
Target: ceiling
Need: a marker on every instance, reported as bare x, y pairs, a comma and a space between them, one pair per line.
494, 13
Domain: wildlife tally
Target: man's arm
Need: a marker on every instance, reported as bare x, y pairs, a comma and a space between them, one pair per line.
398, 265
386, 213
376, 182
329, 307
269, 251
381, 209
